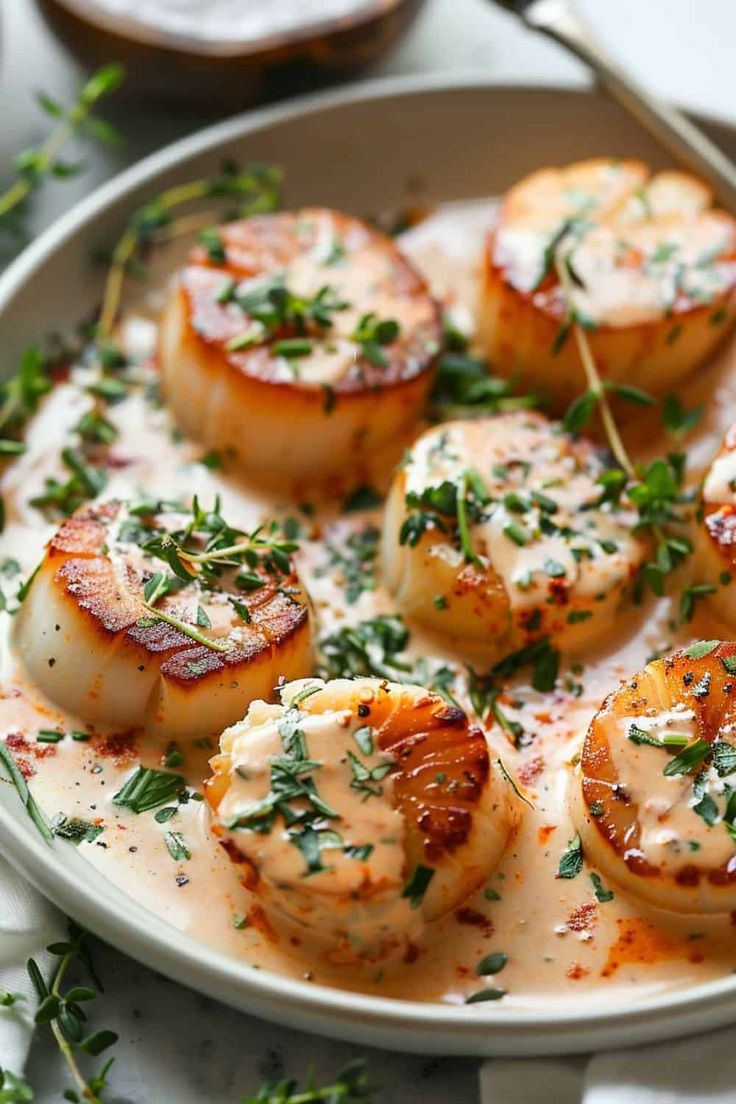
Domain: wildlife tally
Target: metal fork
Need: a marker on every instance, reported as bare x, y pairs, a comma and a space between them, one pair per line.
560, 20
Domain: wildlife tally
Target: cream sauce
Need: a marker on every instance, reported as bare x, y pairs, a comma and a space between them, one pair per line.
563, 945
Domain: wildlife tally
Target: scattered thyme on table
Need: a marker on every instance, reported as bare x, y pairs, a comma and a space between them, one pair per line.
40, 163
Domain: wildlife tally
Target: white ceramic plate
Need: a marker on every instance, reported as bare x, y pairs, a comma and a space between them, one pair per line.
375, 146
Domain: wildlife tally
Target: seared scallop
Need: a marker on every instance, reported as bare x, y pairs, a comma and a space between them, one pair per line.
494, 535
302, 349
360, 810
650, 274
655, 798
109, 631
715, 538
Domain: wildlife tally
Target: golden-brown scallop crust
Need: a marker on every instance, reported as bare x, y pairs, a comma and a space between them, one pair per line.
674, 680
265, 244
76, 559
521, 318
334, 413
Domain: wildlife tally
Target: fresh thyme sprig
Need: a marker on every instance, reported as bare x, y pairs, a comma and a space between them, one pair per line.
256, 190
350, 1085
201, 550
36, 165
376, 647
654, 490
207, 545
14, 1089
451, 506
84, 460
596, 390
22, 392
62, 1010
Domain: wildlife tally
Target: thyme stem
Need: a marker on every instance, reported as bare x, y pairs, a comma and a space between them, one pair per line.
188, 630
63, 1045
591, 371
216, 554
462, 520
125, 250
46, 153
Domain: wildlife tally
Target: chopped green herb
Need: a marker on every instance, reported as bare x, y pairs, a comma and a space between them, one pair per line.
148, 788
177, 847
571, 862
418, 884
491, 964
485, 995
362, 497
602, 894
688, 759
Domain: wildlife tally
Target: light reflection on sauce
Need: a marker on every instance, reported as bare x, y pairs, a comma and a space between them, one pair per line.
560, 941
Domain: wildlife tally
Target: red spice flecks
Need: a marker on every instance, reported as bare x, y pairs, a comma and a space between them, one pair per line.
24, 750
575, 971
474, 919
530, 771
120, 747
545, 832
696, 958
582, 918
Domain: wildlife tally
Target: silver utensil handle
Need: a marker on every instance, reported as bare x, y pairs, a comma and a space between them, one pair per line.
559, 20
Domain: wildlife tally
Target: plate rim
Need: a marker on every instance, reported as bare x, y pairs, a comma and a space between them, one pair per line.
343, 1013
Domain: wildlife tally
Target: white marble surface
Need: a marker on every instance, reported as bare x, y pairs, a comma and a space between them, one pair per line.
177, 1047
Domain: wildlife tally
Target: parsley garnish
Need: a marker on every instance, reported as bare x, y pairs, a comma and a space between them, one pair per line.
601, 893
571, 862
418, 884
373, 335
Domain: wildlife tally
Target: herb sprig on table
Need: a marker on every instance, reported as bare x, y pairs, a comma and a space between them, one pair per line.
40, 163
62, 1009
62, 1006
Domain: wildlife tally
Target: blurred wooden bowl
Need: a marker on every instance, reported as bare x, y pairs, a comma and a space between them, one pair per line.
233, 72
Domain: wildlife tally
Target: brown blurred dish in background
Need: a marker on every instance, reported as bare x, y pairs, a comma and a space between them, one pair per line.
238, 53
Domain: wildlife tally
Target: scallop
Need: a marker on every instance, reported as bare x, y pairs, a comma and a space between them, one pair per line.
654, 799
715, 535
495, 535
650, 275
303, 350
109, 633
360, 811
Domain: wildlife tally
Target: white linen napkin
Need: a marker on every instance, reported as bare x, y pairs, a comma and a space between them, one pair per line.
700, 1070
28, 924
